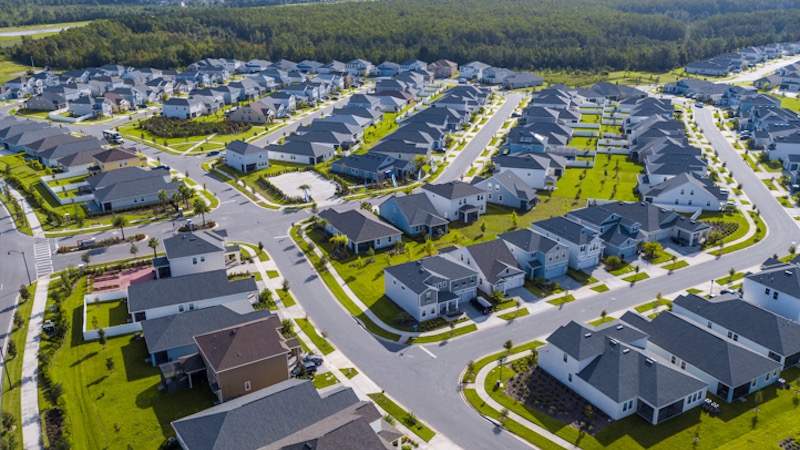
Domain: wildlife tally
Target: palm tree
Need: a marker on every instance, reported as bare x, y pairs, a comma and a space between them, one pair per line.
201, 208
419, 162
185, 194
120, 222
305, 189
340, 240
153, 243
163, 198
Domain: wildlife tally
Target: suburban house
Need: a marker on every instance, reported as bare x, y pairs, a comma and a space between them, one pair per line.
775, 289
387, 69
414, 214
170, 296
584, 244
443, 68
245, 358
299, 417
183, 108
373, 167
507, 189
118, 158
610, 368
707, 68
364, 231
172, 337
310, 153
753, 327
129, 187
687, 193
537, 170
246, 157
496, 265
538, 256
90, 106
473, 70
456, 200
357, 67
522, 80
431, 287
194, 252
730, 370
255, 112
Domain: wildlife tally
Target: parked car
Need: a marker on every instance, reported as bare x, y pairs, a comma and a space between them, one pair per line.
730, 291
482, 305
312, 358
310, 367
213, 153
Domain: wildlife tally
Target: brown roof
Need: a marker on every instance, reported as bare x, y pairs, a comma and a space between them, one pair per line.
116, 154
243, 344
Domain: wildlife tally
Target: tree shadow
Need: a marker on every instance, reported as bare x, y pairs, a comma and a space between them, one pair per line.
97, 381
133, 358
85, 357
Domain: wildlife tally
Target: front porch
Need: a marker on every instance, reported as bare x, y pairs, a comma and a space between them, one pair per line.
468, 213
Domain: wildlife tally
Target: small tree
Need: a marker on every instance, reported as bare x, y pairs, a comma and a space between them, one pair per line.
287, 328
503, 414
134, 249
483, 227
11, 351
603, 315
498, 296
285, 285
110, 364
201, 208
792, 250
731, 271
514, 219
18, 322
508, 345
101, 333
24, 294
429, 247
120, 222
260, 247
470, 368
86, 257
153, 243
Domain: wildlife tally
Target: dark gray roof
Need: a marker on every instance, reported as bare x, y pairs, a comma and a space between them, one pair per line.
493, 258
416, 275
243, 148
358, 226
185, 289
372, 163
392, 147
724, 360
539, 161
130, 182
312, 149
176, 331
622, 373
581, 342
418, 210
514, 184
679, 180
763, 327
190, 244
116, 154
239, 424
453, 190
529, 241
567, 229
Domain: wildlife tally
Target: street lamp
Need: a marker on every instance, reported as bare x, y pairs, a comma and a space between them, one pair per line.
25, 260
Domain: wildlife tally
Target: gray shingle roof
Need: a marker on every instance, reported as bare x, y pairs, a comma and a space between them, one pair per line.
567, 229
679, 180
529, 241
763, 327
130, 182
239, 424
358, 226
185, 289
493, 258
418, 210
166, 333
417, 274
581, 342
301, 148
515, 185
722, 359
190, 244
622, 373
453, 190
243, 148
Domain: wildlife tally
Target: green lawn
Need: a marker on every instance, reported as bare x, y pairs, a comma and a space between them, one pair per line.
731, 429
322, 344
562, 300
481, 363
324, 380
514, 314
9, 70
121, 407
601, 181
591, 118
272, 274
446, 335
789, 103
599, 288
583, 143
652, 305
107, 314
730, 278
286, 298
349, 372
637, 277
407, 419
761, 230
694, 291
13, 366
601, 321
734, 217
676, 265
21, 220
581, 277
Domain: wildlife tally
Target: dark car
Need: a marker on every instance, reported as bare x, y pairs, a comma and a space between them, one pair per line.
314, 359
481, 305
213, 153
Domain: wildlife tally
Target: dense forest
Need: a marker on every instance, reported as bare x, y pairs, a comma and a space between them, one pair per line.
653, 35
35, 12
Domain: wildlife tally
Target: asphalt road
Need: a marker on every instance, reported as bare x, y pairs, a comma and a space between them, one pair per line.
427, 385
460, 166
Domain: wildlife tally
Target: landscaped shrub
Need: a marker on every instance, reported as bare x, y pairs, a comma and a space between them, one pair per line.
278, 194
177, 128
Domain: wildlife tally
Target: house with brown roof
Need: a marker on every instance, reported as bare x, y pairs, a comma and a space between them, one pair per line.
443, 68
117, 158
245, 358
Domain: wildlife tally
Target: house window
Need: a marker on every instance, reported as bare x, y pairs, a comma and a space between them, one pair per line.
394, 282
191, 306
202, 259
569, 377
766, 291
424, 312
490, 196
390, 239
730, 334
753, 383
247, 386
775, 295
194, 260
500, 198
683, 365
565, 356
690, 203
676, 201
682, 191
691, 192
673, 359
181, 308
624, 406
768, 375
736, 337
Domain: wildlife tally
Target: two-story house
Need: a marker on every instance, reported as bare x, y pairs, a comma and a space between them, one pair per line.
508, 189
775, 289
538, 171
584, 244
456, 200
246, 157
537, 255
496, 265
194, 252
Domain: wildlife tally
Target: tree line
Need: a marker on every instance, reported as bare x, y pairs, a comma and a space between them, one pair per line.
524, 34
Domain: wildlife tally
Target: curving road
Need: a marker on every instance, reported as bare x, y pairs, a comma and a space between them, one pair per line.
425, 384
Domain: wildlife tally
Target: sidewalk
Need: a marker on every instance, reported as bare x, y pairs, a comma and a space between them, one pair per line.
29, 397
33, 221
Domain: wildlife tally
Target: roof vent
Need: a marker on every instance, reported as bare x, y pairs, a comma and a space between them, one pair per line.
648, 361
587, 335
613, 342
619, 327
787, 272
625, 350
233, 331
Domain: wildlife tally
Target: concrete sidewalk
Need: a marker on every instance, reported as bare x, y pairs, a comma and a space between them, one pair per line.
33, 221
31, 418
